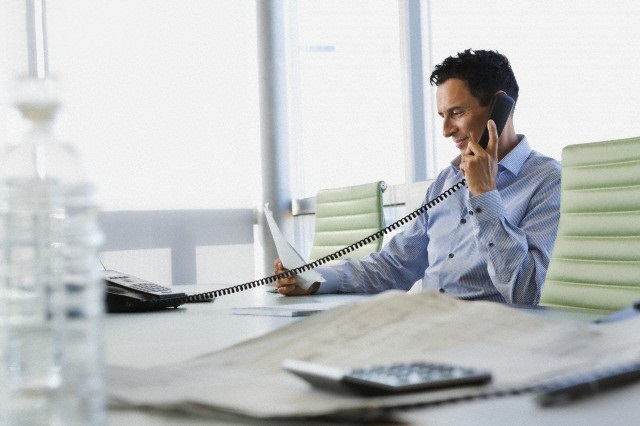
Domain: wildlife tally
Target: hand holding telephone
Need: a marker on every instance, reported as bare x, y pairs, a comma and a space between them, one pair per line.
387, 378
501, 107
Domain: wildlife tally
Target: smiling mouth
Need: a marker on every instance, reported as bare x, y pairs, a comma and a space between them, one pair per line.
459, 142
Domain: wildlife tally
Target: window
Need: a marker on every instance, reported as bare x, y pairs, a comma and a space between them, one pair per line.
346, 94
13, 45
161, 99
574, 61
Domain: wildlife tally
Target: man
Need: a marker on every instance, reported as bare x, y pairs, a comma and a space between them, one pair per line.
490, 240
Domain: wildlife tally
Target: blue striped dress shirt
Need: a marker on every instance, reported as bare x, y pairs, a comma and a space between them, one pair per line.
494, 246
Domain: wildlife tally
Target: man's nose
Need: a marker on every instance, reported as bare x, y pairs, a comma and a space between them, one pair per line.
448, 128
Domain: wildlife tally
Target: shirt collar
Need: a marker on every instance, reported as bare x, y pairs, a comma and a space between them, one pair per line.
513, 161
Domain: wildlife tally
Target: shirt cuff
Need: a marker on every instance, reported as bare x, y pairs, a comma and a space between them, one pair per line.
487, 206
331, 279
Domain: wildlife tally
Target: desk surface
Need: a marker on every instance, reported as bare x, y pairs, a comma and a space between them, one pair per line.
174, 335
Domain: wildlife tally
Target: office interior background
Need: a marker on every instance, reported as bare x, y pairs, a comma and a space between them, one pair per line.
218, 104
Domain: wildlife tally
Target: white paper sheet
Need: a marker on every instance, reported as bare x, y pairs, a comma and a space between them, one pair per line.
291, 310
288, 255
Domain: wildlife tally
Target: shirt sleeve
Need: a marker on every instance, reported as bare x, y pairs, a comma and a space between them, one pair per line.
400, 263
331, 279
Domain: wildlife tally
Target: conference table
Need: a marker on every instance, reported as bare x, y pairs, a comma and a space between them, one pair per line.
154, 339
157, 338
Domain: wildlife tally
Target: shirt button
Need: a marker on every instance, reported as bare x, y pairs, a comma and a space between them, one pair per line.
470, 212
442, 290
450, 255
478, 210
463, 221
490, 244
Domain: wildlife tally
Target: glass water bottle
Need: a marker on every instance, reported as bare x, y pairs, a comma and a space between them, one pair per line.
52, 298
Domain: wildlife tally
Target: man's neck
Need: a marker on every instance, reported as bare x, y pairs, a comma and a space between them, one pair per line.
508, 140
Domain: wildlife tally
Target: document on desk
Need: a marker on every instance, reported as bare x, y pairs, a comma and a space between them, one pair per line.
289, 256
289, 310
520, 348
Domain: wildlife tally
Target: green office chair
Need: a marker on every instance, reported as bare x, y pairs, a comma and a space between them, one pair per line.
595, 264
346, 215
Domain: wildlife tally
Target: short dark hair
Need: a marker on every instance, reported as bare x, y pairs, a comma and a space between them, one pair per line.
485, 71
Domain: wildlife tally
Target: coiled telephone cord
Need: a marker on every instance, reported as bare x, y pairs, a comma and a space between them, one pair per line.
333, 256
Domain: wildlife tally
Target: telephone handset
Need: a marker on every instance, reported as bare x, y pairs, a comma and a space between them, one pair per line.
125, 298
501, 107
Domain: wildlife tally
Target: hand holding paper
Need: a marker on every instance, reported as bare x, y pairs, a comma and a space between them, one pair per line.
290, 258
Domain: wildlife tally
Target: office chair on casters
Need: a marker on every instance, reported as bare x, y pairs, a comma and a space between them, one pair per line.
346, 215
595, 264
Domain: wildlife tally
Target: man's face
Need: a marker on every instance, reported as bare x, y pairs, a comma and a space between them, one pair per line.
462, 115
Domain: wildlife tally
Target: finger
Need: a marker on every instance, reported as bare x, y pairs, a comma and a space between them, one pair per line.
277, 265
278, 268
472, 146
463, 165
286, 289
492, 146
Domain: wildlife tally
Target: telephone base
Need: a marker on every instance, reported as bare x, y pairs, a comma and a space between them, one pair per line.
126, 293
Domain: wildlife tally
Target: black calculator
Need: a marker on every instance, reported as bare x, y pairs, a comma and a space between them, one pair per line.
388, 378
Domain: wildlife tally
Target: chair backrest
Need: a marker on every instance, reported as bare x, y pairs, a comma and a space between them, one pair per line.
346, 215
595, 264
